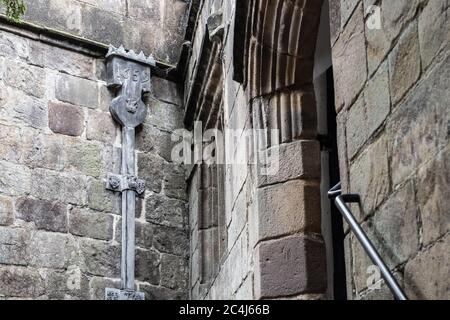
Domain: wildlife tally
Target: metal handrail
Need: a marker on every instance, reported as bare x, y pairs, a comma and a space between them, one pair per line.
341, 201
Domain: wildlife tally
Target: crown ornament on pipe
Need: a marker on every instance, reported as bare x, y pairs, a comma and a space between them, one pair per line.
131, 55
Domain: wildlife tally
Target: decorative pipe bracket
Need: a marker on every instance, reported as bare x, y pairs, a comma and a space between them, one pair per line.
118, 183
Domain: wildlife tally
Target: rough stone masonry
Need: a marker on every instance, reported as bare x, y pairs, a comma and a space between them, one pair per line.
226, 231
60, 229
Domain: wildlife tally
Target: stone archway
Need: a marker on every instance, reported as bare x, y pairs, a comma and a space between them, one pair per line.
278, 74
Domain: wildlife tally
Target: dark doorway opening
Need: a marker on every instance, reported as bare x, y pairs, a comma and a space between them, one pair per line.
337, 228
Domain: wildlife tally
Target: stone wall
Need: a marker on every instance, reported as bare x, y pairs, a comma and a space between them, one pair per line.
155, 26
392, 99
226, 273
59, 227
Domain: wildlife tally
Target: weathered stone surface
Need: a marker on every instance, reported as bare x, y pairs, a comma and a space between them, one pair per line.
426, 276
66, 61
433, 188
379, 291
6, 211
147, 266
369, 176
77, 91
166, 211
144, 234
15, 179
84, 157
101, 127
42, 150
111, 158
355, 136
434, 30
99, 284
94, 20
100, 199
347, 8
348, 252
20, 76
299, 211
150, 169
174, 181
13, 46
10, 144
101, 258
419, 126
151, 139
239, 216
161, 293
335, 19
22, 109
69, 285
394, 232
404, 63
285, 267
170, 240
53, 250
21, 282
349, 60
245, 292
173, 272
14, 244
91, 224
165, 116
144, 10
295, 160
377, 100
46, 215
65, 119
89, 21
49, 185
166, 91
395, 16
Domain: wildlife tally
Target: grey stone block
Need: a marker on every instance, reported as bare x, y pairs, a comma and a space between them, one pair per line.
299, 210
434, 30
101, 258
165, 211
150, 169
369, 176
98, 285
147, 266
53, 250
173, 272
46, 215
426, 276
20, 75
161, 293
91, 224
419, 126
170, 240
6, 211
77, 91
289, 266
101, 127
404, 63
21, 282
65, 119
49, 185
14, 246
144, 234
433, 187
